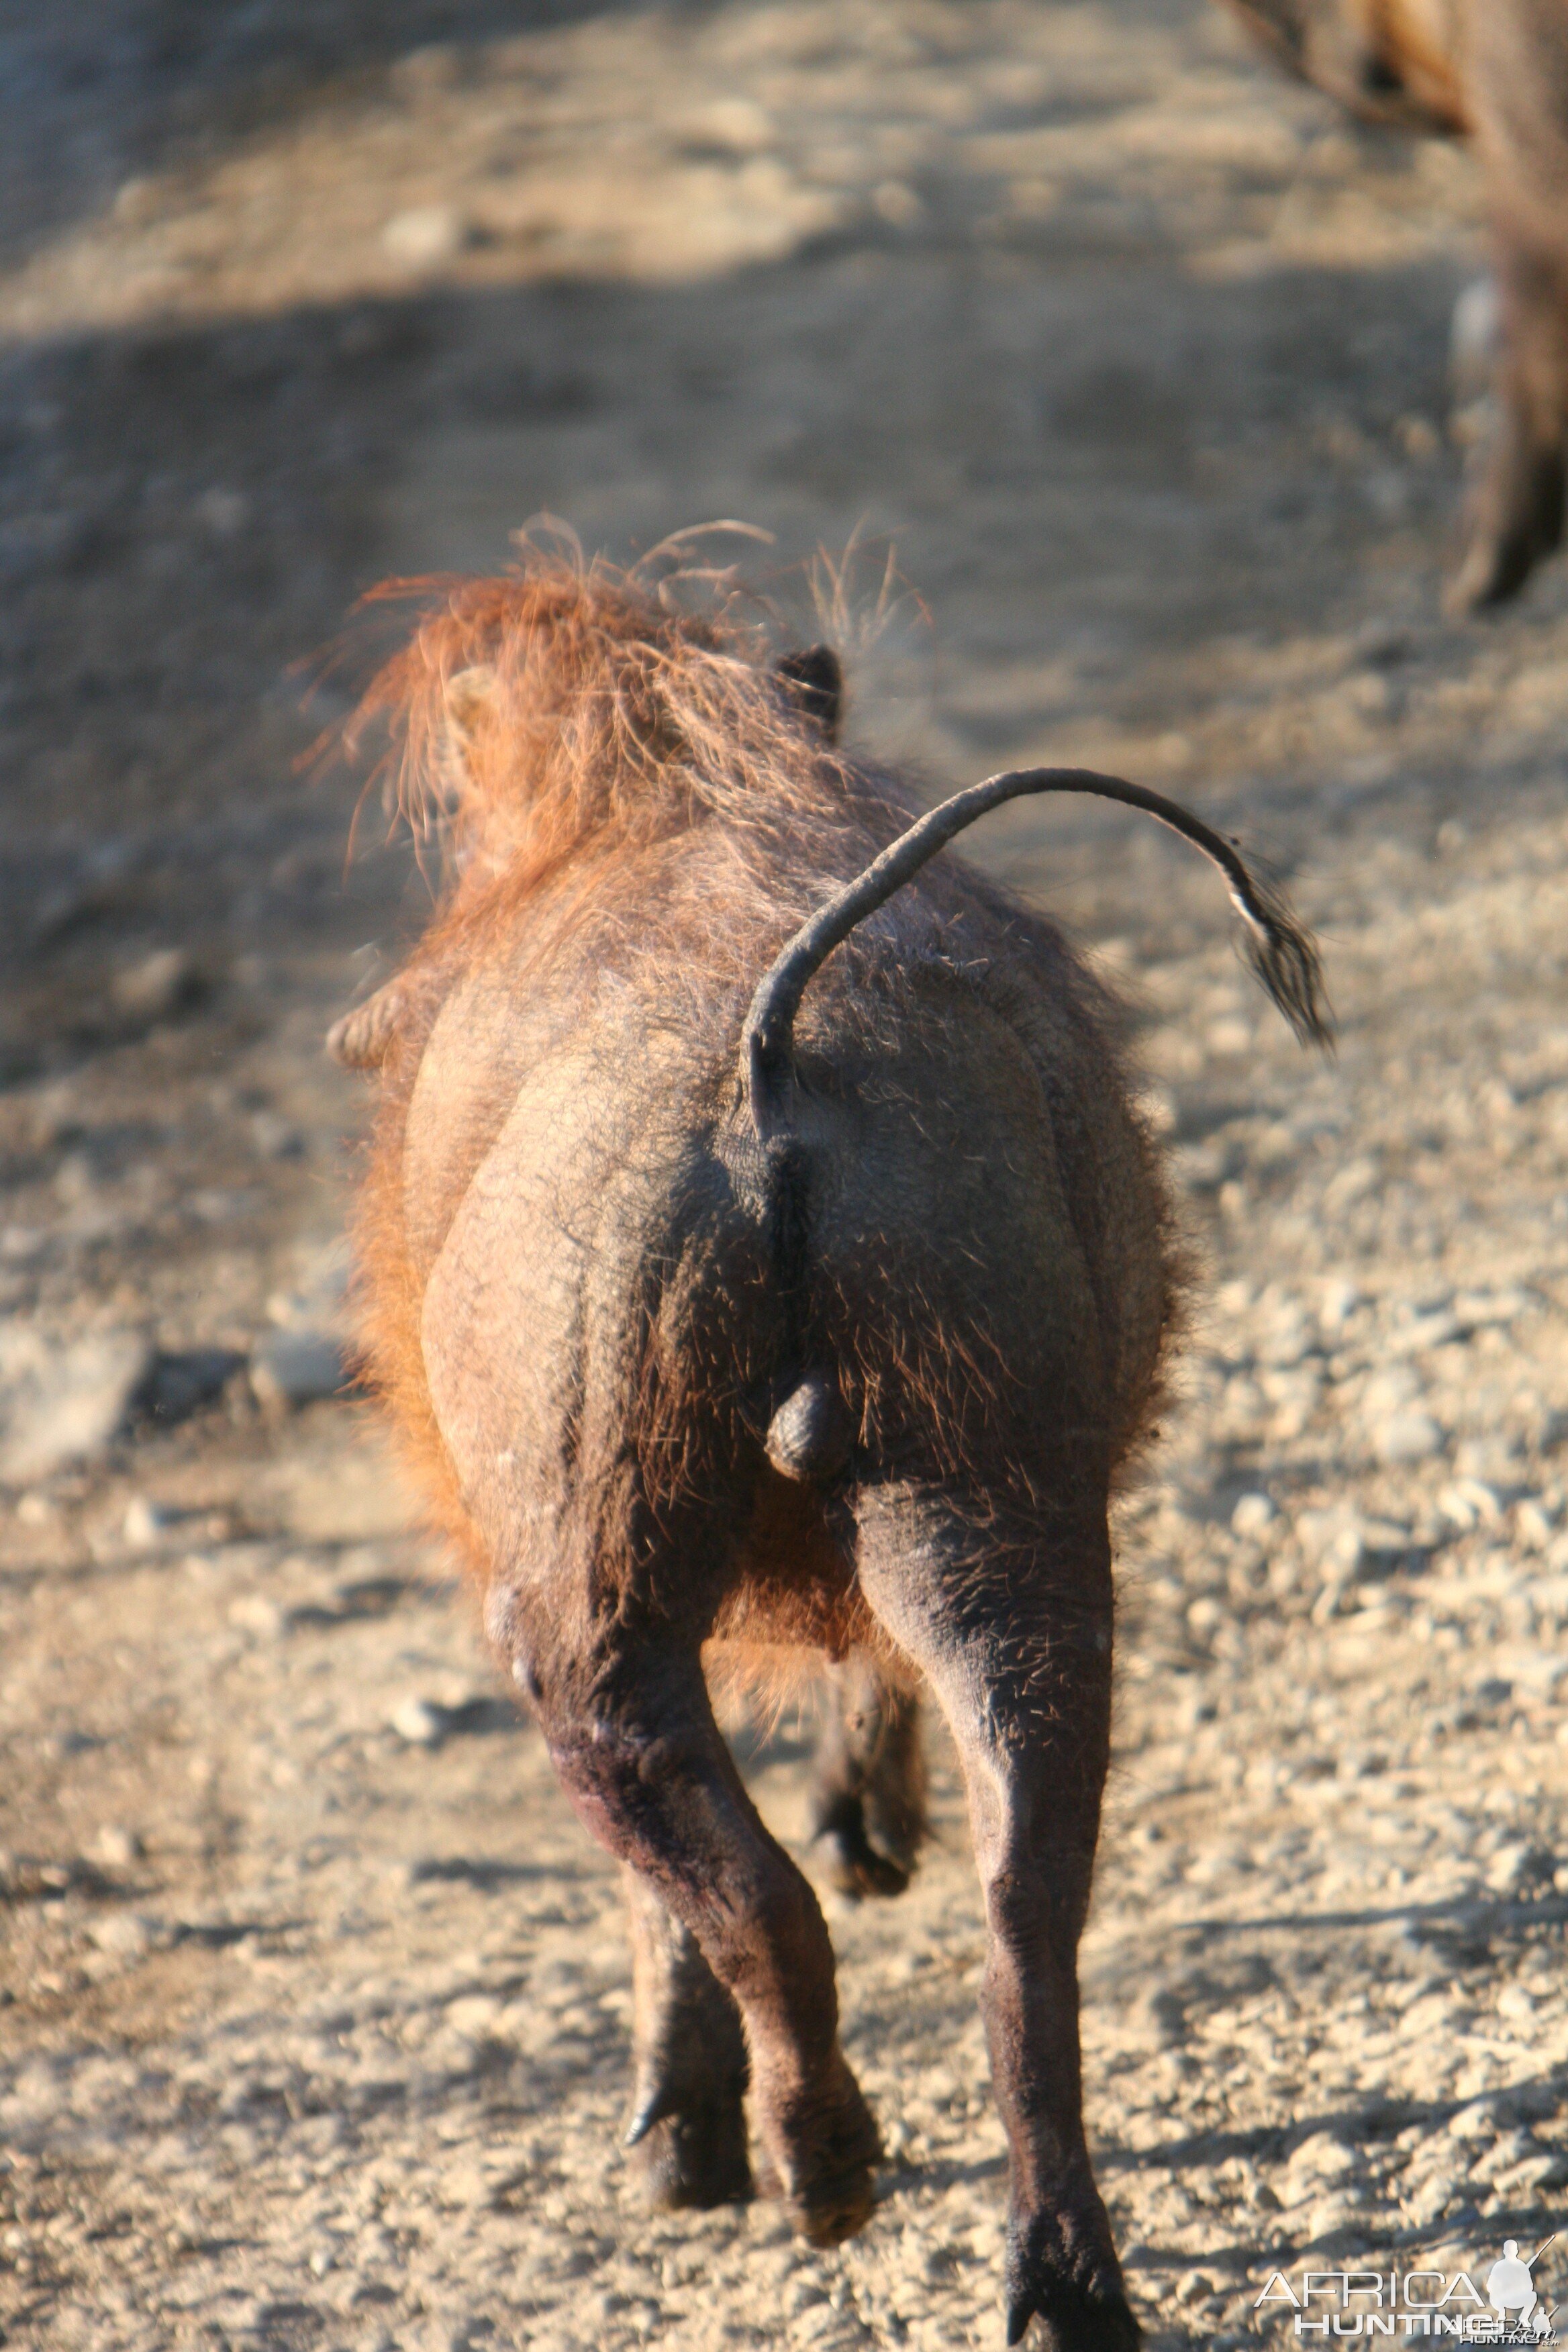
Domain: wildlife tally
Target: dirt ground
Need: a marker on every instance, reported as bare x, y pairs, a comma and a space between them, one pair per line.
315, 2005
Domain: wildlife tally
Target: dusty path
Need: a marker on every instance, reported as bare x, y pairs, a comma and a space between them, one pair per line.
315, 2006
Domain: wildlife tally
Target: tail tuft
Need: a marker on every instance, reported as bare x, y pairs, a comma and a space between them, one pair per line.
1288, 966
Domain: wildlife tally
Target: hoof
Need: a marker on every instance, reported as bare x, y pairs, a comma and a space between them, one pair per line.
1071, 2298
821, 2163
866, 1872
855, 1866
838, 2209
695, 2161
831, 2191
1067, 2319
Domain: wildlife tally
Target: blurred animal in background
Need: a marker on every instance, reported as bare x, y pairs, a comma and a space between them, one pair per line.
1497, 72
764, 1264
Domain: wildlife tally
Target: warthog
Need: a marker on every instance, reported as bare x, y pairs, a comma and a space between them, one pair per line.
1496, 69
760, 1265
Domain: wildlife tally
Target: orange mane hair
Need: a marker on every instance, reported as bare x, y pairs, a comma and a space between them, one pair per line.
532, 712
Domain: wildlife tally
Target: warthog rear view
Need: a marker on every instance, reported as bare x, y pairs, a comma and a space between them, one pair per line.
749, 1292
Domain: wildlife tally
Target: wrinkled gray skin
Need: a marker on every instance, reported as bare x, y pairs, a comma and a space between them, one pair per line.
1498, 69
960, 1260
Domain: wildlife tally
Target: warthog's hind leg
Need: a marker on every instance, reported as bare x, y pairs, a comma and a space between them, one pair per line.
689, 2053
868, 1795
1008, 1610
633, 1738
1514, 512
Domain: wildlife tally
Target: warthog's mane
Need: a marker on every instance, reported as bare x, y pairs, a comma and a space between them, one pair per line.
559, 704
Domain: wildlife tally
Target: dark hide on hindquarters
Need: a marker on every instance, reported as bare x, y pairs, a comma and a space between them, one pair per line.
708, 1385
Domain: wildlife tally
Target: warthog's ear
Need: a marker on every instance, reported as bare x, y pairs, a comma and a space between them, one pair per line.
468, 694
816, 681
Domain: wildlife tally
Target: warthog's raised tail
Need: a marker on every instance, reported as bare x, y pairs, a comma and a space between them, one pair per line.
1282, 955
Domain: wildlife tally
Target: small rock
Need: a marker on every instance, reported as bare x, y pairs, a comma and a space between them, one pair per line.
1406, 1437
1389, 1391
1340, 1300
1322, 2159
1482, 2119
1494, 1461
122, 1935
291, 1369
426, 234
115, 1847
63, 1404
1547, 2170
258, 1613
1517, 1866
420, 1721
1252, 1515
146, 1523
157, 986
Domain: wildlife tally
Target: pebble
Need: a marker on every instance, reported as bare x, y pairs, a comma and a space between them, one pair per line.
291, 1369
157, 986
116, 1847
426, 234
1405, 1437
1252, 1515
1518, 1865
122, 1935
258, 1613
146, 1523
420, 1721
63, 1404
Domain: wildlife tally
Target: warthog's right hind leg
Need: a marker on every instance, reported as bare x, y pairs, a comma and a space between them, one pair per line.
690, 2058
867, 1794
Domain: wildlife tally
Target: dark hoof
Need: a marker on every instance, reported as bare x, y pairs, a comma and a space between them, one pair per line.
699, 2160
860, 1872
1073, 2298
838, 2207
855, 1866
830, 2191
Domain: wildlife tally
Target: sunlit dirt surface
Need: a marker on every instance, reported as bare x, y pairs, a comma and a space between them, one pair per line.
315, 2013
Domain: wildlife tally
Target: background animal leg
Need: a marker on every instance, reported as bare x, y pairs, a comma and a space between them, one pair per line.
868, 1796
644, 1765
689, 2053
1514, 512
1010, 1619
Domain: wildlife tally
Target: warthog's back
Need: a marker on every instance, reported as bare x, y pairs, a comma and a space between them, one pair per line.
976, 1245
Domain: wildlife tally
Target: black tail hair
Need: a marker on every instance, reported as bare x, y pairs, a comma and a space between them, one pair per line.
1281, 953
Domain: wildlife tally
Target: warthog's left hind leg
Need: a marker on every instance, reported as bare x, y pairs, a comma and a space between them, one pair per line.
689, 2053
868, 1793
